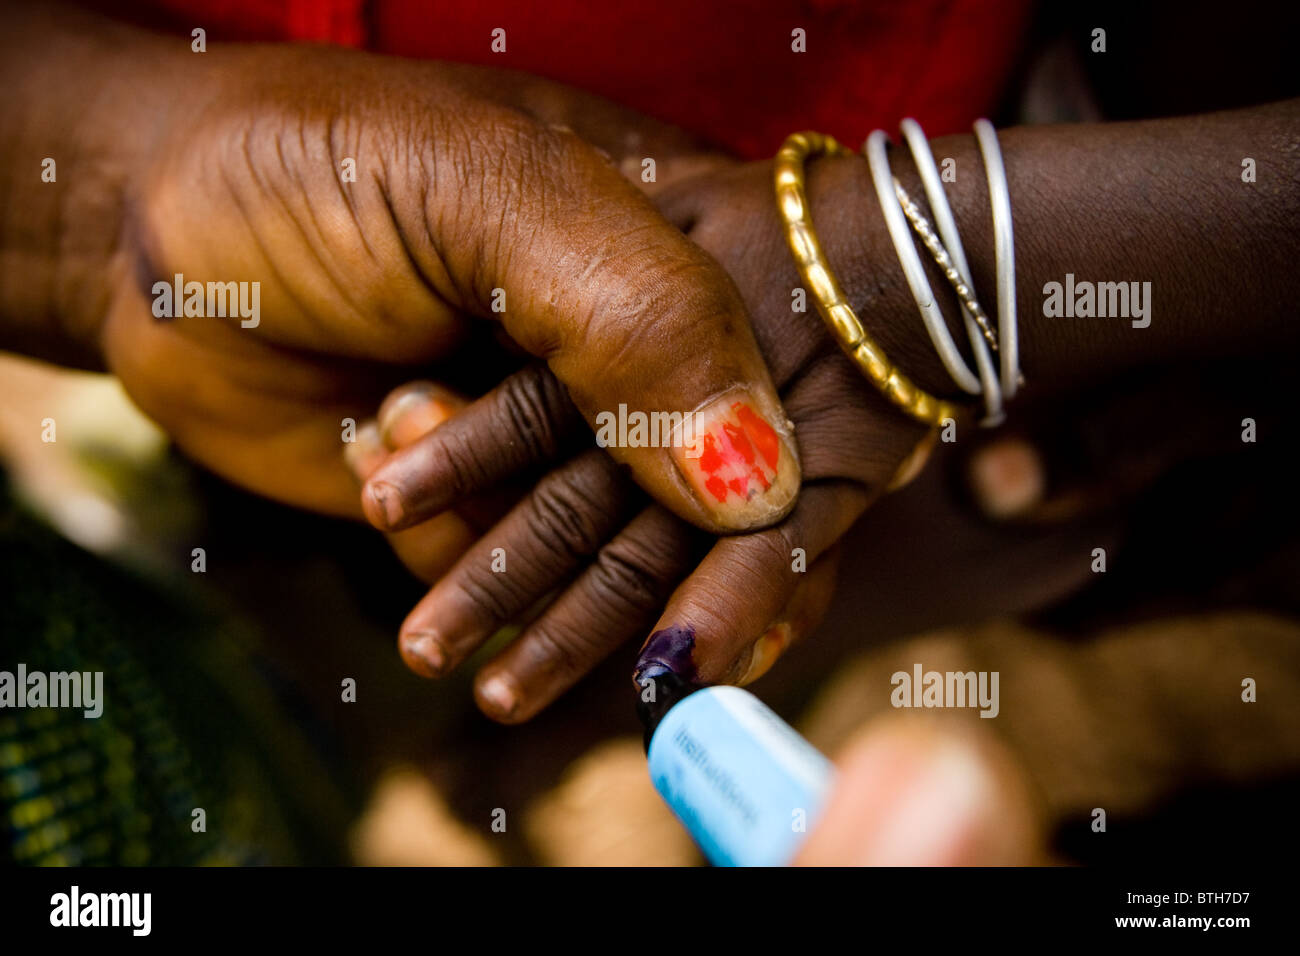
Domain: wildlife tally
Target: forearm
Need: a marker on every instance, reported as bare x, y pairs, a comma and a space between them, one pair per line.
1159, 202
85, 99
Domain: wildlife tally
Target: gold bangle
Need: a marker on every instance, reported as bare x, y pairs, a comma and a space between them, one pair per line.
792, 202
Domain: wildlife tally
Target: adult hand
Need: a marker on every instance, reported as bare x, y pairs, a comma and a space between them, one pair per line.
239, 169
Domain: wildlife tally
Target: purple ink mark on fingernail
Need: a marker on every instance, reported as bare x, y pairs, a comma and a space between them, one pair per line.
668, 650
665, 673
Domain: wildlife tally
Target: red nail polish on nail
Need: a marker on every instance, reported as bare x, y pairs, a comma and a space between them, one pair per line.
739, 465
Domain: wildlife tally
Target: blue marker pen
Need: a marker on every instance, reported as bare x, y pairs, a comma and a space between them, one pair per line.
740, 779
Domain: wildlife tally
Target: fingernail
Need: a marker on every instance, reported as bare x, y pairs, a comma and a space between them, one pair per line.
671, 648
382, 504
1007, 478
499, 693
423, 653
411, 412
366, 450
764, 653
938, 812
738, 464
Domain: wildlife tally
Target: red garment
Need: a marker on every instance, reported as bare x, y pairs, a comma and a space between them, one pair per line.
723, 69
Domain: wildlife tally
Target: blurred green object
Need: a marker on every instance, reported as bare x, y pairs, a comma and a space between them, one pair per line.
191, 720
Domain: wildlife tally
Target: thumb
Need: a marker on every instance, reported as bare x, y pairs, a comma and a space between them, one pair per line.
644, 329
926, 793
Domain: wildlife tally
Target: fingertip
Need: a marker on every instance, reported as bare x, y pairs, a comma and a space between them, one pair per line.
382, 504
366, 452
413, 410
669, 649
498, 696
423, 653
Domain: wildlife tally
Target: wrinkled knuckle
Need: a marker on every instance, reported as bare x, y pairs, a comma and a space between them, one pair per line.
625, 576
564, 516
530, 408
462, 462
493, 597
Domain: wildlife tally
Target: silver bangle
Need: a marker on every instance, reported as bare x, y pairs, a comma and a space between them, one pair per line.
978, 329
882, 178
1004, 251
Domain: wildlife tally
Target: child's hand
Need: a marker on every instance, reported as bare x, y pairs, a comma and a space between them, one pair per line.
748, 598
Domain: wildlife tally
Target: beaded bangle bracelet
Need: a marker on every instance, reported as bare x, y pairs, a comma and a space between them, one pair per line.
792, 203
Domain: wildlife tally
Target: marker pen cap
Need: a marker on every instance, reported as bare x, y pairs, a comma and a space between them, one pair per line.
740, 779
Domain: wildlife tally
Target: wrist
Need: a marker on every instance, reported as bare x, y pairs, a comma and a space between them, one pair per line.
852, 229
93, 101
